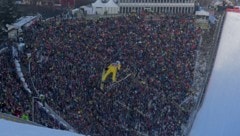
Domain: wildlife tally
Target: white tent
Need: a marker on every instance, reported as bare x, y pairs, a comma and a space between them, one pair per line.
112, 7
88, 9
100, 8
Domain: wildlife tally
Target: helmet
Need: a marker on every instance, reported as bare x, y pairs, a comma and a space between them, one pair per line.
118, 62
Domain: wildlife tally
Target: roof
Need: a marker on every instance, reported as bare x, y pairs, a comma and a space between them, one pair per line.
24, 20
202, 13
111, 3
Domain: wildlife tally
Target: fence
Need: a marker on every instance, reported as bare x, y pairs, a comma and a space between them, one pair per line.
46, 108
211, 60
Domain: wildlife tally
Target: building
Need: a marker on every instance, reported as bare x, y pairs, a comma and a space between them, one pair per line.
60, 3
100, 7
157, 6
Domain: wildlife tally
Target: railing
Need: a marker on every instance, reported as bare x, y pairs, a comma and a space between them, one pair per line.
212, 57
19, 70
3, 50
51, 113
46, 108
211, 60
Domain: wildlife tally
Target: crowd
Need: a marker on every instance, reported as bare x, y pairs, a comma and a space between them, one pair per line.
64, 59
68, 56
13, 99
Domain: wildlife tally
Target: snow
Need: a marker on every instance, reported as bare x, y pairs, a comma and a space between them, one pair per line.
220, 112
8, 128
24, 20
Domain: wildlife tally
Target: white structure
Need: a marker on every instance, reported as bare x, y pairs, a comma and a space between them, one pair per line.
101, 8
158, 6
87, 9
112, 7
202, 19
15, 29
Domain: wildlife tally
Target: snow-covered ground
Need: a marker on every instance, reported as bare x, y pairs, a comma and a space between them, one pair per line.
8, 128
220, 112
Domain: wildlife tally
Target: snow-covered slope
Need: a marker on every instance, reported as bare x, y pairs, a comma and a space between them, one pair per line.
8, 128
220, 112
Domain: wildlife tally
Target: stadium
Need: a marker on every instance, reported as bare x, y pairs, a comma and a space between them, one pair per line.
131, 74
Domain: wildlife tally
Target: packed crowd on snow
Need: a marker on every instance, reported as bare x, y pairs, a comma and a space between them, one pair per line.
64, 59
67, 58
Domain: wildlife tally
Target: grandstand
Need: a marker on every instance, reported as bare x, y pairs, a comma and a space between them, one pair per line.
55, 79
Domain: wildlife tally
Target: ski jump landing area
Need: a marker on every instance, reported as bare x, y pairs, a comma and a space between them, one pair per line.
220, 112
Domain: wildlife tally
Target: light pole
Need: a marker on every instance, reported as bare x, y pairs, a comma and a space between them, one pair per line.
33, 107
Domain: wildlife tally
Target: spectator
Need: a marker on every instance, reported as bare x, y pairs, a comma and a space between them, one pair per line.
68, 56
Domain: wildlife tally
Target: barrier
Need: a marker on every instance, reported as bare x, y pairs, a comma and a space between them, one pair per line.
205, 81
46, 108
51, 113
19, 70
235, 9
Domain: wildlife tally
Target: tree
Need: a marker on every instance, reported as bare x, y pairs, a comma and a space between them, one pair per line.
8, 14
